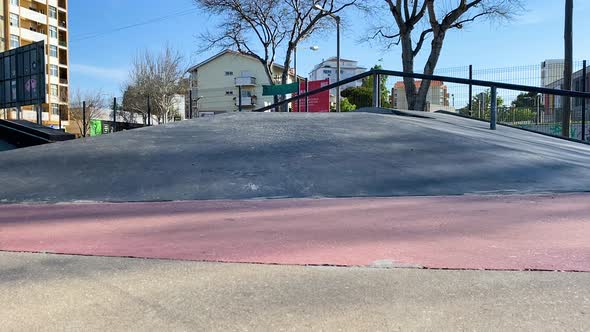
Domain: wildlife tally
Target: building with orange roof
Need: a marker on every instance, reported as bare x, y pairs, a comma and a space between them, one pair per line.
437, 95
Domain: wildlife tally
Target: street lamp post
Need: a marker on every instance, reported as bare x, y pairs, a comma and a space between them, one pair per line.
313, 48
337, 19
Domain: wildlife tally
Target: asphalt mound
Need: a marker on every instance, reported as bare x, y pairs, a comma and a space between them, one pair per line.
271, 155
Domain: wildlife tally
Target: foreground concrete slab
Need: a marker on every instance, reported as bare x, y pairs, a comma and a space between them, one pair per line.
49, 293
243, 156
550, 232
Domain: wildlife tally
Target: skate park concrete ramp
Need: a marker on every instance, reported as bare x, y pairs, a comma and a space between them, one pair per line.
275, 155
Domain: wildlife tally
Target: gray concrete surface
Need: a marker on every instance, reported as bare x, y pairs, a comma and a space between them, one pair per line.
296, 155
55, 293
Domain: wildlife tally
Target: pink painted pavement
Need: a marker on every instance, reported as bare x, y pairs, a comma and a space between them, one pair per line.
468, 232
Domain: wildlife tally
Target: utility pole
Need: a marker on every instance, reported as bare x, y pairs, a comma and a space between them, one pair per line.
568, 70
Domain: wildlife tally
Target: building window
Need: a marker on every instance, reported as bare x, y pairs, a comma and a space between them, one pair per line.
53, 51
52, 12
54, 90
229, 93
14, 41
229, 73
14, 2
14, 21
52, 31
53, 70
55, 109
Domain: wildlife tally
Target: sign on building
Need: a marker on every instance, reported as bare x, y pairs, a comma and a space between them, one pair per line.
22, 76
319, 102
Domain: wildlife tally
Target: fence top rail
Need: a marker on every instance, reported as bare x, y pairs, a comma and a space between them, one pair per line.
499, 85
446, 79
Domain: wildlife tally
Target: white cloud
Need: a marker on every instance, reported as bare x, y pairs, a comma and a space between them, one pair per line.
116, 74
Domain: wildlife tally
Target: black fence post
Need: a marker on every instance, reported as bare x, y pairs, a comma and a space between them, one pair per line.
584, 100
375, 90
190, 104
298, 93
239, 98
306, 96
470, 89
84, 118
149, 122
114, 114
493, 108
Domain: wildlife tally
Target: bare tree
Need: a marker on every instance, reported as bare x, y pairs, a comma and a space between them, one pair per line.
251, 27
158, 76
95, 103
265, 29
435, 18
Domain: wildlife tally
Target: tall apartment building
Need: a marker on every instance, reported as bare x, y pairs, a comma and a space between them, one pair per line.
438, 95
29, 21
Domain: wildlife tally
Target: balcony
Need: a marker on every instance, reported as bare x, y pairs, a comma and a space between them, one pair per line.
62, 38
245, 81
246, 101
63, 57
62, 17
32, 35
33, 15
63, 94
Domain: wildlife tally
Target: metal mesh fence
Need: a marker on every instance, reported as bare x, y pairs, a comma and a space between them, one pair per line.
538, 112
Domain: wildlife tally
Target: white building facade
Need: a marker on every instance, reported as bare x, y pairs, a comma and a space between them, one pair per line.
327, 69
551, 71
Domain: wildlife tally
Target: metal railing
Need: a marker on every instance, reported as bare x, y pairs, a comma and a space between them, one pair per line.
493, 86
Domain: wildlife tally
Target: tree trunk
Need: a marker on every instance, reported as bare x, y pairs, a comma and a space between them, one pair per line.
408, 67
285, 76
436, 47
268, 70
568, 64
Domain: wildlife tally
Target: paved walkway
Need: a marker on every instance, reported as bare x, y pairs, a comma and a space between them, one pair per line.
462, 232
58, 293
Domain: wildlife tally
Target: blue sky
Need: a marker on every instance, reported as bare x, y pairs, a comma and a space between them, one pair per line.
101, 60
